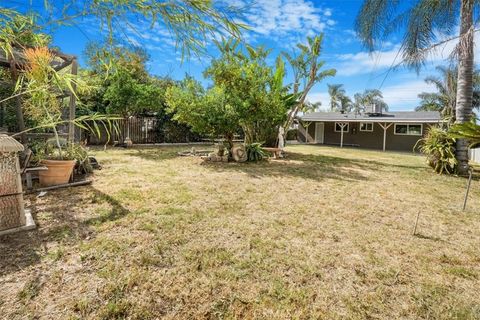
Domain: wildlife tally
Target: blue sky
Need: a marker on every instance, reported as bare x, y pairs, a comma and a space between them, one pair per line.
279, 25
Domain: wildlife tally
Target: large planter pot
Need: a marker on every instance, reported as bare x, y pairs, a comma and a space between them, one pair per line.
59, 172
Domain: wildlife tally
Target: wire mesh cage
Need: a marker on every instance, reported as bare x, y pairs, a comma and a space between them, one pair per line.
12, 210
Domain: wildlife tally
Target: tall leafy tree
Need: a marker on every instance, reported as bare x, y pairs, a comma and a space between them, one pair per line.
121, 82
251, 87
206, 112
421, 21
247, 94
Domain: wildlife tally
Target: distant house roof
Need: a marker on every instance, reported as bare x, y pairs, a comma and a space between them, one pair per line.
400, 116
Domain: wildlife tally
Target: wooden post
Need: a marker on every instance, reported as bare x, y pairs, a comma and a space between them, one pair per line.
385, 127
72, 104
18, 101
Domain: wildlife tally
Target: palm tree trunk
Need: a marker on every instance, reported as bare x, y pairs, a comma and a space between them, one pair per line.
465, 80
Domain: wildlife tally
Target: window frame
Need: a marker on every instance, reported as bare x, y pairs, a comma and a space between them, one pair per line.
408, 129
360, 126
345, 130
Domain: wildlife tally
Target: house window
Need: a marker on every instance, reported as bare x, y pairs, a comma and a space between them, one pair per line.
366, 126
408, 129
338, 127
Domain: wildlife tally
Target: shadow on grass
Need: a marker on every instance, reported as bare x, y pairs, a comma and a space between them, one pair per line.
309, 166
116, 212
427, 237
155, 154
59, 224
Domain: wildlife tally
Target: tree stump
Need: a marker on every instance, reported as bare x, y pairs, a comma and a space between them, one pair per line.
239, 153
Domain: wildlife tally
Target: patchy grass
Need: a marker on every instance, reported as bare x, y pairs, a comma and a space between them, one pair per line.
326, 233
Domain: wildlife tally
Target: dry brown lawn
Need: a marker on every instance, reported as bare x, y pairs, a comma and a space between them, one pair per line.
325, 234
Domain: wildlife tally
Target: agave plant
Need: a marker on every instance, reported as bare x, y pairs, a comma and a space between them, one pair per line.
255, 152
439, 147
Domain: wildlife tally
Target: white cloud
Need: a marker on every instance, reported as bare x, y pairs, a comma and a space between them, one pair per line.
322, 97
400, 96
364, 62
405, 95
280, 18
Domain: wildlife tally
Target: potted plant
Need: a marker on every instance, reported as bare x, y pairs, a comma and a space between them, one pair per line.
42, 85
60, 162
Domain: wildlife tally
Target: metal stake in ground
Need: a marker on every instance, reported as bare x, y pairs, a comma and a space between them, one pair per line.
468, 189
416, 223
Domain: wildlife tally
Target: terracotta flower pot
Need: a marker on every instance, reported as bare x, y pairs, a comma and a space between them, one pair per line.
59, 172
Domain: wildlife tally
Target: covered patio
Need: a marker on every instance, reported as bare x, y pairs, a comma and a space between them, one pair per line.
386, 131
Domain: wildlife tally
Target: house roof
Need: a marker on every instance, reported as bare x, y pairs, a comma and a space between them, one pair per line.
400, 116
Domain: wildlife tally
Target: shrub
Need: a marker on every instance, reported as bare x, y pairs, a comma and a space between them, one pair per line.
439, 147
255, 152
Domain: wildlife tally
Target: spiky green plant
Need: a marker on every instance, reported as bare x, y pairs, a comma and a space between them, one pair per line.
468, 130
255, 152
439, 147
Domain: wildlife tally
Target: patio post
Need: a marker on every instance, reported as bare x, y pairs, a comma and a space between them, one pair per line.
342, 126
385, 127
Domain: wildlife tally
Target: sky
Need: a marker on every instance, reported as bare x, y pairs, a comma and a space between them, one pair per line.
278, 25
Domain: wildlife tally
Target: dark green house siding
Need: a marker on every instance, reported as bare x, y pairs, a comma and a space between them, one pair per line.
368, 140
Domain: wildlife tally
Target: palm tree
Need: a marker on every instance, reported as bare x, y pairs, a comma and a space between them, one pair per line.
307, 70
336, 93
358, 103
310, 106
346, 104
422, 21
444, 100
368, 98
374, 97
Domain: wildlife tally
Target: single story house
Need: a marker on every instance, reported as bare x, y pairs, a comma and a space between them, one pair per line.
374, 130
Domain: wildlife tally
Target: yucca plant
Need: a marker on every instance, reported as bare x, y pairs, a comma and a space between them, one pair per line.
439, 147
255, 152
